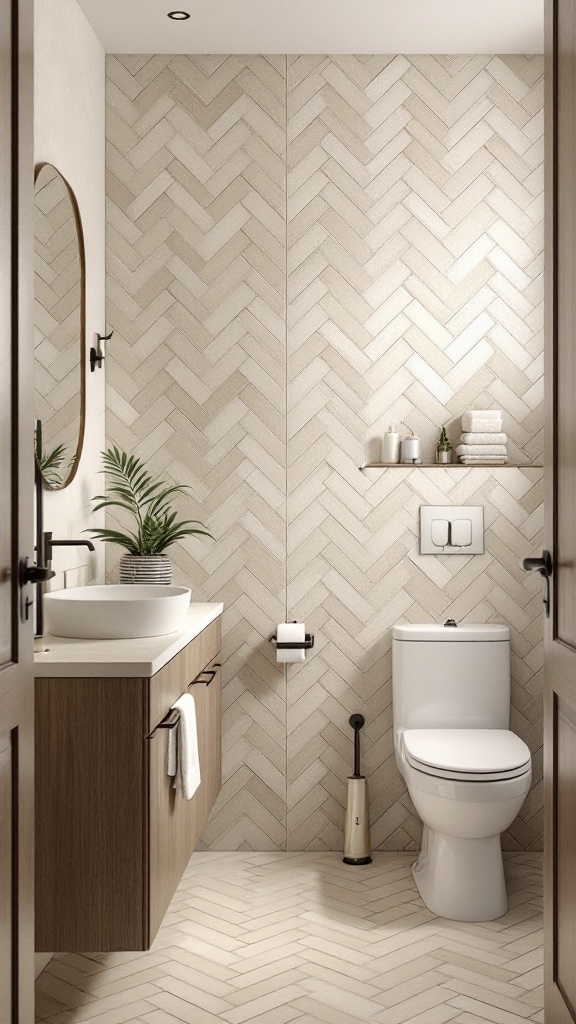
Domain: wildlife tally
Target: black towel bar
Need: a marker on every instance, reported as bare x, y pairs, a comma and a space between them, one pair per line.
210, 672
170, 721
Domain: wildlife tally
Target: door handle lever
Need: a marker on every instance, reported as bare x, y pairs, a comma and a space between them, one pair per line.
34, 573
545, 567
30, 574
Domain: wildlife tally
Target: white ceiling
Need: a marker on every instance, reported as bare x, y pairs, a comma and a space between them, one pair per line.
319, 26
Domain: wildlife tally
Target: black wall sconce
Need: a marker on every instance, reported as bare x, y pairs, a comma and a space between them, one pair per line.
96, 355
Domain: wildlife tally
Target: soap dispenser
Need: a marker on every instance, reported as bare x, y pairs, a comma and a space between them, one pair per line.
411, 449
391, 445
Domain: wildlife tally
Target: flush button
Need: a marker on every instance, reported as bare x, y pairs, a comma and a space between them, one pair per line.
439, 531
461, 533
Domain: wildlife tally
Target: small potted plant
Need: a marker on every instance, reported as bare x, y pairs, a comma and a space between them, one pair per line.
156, 525
443, 448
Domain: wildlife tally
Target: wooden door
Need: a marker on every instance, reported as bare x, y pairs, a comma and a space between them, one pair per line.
560, 477
16, 498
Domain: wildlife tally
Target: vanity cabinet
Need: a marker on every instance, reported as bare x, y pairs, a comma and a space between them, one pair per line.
113, 837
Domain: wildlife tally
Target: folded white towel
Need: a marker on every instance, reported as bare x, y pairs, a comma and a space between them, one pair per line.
483, 438
481, 449
183, 754
482, 421
484, 460
489, 414
471, 423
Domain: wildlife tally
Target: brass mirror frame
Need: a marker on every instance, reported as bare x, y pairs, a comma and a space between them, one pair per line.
82, 339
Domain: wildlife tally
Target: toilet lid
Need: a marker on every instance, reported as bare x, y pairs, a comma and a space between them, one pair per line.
476, 755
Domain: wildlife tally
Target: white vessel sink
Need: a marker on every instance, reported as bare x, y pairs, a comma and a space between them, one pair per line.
116, 612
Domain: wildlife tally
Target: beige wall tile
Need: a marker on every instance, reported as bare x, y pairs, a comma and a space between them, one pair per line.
413, 251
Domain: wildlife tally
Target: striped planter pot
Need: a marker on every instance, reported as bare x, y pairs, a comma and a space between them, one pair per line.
146, 569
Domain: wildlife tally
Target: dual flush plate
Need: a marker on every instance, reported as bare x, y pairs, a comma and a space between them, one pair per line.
451, 530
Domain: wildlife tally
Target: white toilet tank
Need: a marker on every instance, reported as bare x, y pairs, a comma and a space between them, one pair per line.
450, 677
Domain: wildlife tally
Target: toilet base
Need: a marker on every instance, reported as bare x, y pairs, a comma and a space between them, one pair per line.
461, 879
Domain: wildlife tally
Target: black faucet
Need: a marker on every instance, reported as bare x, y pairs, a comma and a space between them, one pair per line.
41, 572
44, 551
49, 544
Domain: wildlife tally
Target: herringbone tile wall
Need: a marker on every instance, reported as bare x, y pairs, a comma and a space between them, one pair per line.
395, 203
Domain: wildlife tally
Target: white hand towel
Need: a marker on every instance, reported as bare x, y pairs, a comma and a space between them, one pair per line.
469, 438
183, 754
475, 422
481, 449
484, 460
172, 767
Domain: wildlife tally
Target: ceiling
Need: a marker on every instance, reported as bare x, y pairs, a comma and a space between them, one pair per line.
319, 26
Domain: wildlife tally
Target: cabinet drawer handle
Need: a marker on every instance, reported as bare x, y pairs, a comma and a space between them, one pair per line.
210, 672
170, 721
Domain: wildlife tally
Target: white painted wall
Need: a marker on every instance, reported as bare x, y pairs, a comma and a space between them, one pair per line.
69, 85
69, 132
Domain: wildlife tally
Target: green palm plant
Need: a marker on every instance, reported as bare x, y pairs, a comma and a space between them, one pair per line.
50, 462
156, 523
51, 465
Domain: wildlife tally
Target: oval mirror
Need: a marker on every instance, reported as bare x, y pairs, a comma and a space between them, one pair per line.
59, 328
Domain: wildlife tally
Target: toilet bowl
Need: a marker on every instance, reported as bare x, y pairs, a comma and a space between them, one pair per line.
466, 773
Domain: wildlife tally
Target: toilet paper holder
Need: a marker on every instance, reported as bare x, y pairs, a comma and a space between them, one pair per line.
300, 645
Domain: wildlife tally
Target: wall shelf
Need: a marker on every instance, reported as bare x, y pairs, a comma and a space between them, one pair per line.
448, 465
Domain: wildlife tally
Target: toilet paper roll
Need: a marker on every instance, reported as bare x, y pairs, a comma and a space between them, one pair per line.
290, 633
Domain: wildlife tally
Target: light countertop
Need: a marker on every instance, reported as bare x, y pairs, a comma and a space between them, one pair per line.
123, 658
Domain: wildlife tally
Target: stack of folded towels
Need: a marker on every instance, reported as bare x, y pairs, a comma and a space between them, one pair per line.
482, 441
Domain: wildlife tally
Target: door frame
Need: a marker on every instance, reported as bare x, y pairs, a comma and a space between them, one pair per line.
559, 657
22, 469
550, 468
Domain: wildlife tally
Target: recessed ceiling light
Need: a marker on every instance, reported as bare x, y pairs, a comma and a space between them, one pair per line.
179, 15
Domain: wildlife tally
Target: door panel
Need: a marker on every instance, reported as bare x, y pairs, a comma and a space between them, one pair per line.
560, 527
565, 937
6, 603
16, 469
6, 873
565, 478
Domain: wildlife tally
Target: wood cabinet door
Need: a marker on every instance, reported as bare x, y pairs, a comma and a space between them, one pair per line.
560, 477
175, 823
209, 715
16, 496
90, 893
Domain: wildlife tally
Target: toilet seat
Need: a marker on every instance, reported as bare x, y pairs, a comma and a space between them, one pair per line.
467, 755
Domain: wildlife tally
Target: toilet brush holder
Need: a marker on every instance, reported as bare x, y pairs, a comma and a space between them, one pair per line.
356, 825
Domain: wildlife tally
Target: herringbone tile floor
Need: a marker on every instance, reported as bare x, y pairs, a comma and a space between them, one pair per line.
276, 938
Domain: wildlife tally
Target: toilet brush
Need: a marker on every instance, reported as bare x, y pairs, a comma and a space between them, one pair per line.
356, 825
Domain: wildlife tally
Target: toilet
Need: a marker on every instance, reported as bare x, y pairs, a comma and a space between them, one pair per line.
466, 773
